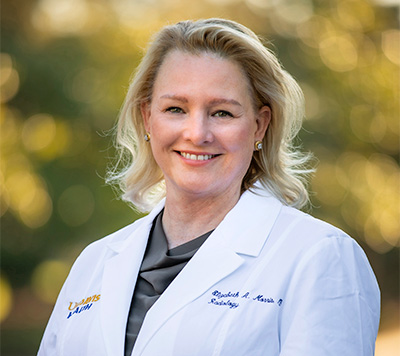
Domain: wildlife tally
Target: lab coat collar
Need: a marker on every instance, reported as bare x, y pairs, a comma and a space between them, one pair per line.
248, 224
119, 279
119, 246
244, 231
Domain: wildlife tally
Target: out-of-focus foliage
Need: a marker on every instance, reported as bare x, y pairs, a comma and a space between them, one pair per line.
64, 70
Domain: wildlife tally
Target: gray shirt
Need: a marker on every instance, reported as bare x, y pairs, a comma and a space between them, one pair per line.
159, 267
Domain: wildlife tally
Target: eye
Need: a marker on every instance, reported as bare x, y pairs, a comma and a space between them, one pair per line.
174, 110
222, 113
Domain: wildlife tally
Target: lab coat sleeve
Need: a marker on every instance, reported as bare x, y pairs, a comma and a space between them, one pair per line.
333, 306
50, 343
51, 340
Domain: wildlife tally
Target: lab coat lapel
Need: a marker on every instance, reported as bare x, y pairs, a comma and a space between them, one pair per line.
119, 278
209, 265
219, 256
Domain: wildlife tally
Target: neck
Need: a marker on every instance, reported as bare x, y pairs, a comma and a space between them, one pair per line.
186, 217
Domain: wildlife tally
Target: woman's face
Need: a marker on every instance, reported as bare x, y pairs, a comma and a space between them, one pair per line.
203, 124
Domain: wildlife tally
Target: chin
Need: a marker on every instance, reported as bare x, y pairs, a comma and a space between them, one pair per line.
196, 187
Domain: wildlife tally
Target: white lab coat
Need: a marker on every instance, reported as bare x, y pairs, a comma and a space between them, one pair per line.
270, 280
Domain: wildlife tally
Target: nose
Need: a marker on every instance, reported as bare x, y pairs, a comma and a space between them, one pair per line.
198, 129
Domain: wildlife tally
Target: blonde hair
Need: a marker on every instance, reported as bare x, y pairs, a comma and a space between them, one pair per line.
279, 166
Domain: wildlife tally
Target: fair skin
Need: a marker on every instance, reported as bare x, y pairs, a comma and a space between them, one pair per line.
203, 127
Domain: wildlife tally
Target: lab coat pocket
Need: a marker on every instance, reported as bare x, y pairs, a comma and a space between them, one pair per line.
82, 325
253, 329
228, 322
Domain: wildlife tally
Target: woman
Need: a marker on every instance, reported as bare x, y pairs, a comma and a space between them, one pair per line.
225, 264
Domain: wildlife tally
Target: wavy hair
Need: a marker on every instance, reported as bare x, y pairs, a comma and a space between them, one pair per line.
279, 166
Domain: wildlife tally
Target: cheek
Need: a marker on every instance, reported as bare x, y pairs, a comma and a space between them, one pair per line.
242, 140
241, 146
161, 132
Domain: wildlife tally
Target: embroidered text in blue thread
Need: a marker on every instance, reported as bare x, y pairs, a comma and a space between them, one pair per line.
227, 303
246, 295
260, 298
220, 295
79, 310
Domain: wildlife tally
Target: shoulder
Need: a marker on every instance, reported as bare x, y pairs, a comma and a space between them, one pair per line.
293, 235
323, 251
261, 202
307, 241
296, 230
307, 228
99, 250
118, 236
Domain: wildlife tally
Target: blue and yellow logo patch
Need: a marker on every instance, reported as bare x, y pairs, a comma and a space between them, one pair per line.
83, 305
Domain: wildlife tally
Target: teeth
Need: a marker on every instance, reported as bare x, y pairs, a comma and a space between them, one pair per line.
196, 157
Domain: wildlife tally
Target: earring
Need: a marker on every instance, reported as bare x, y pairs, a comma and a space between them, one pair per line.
147, 137
258, 145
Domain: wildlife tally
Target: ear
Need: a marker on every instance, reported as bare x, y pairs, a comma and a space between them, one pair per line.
145, 111
263, 120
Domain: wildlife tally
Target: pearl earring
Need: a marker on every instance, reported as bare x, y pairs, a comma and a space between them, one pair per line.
258, 145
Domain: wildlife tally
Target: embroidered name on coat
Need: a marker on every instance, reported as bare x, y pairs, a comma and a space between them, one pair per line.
83, 305
231, 299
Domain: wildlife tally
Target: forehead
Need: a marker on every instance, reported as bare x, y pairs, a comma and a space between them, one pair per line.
181, 70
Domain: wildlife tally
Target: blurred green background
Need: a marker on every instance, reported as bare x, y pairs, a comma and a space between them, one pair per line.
65, 68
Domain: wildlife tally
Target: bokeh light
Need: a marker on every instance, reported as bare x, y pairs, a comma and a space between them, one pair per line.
391, 45
294, 12
68, 17
28, 197
355, 15
9, 78
38, 132
76, 205
339, 52
367, 124
48, 278
22, 190
5, 297
373, 185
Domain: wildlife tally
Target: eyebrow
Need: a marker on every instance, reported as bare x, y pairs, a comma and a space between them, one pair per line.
225, 101
174, 97
212, 102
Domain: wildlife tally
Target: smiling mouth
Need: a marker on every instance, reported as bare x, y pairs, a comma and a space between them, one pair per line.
197, 157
